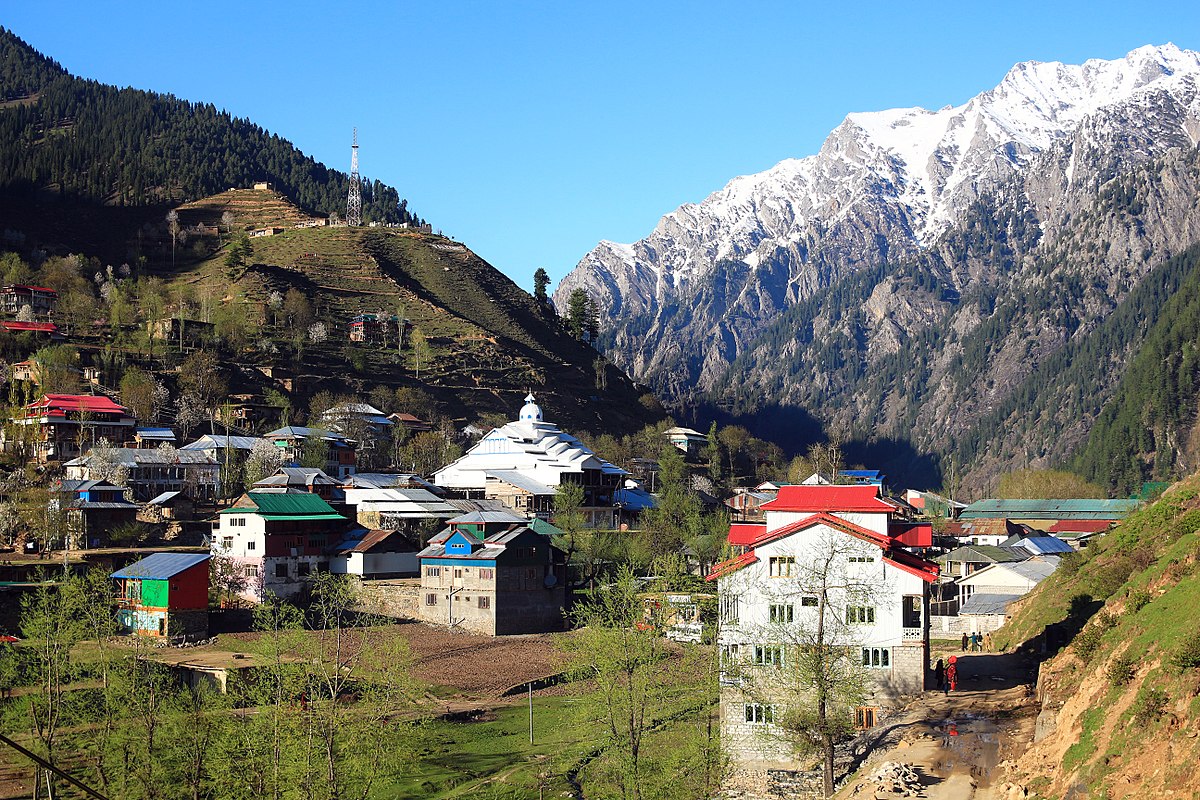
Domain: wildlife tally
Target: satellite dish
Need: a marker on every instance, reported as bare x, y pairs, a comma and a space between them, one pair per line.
551, 581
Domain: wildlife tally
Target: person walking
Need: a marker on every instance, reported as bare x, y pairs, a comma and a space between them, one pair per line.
939, 675
952, 675
964, 642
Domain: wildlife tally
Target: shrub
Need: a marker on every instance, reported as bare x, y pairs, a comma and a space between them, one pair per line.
1120, 670
1070, 564
1148, 705
1137, 601
1079, 605
1087, 642
1187, 655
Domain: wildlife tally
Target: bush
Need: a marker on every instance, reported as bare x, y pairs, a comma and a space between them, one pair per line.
1070, 564
1087, 642
1187, 655
1149, 705
1120, 670
1137, 601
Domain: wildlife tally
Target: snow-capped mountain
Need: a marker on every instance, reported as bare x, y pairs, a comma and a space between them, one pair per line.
887, 187
927, 268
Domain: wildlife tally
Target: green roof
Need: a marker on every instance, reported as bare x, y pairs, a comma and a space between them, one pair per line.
286, 506
544, 528
1050, 509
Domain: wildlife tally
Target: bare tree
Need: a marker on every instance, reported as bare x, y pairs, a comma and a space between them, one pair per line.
173, 227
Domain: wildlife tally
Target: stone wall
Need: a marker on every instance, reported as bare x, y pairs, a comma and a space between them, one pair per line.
190, 625
398, 599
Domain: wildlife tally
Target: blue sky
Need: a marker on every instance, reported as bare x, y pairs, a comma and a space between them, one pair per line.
530, 131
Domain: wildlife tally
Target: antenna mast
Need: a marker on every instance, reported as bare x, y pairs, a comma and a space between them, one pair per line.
354, 198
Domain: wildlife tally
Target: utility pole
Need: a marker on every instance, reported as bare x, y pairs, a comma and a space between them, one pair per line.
354, 198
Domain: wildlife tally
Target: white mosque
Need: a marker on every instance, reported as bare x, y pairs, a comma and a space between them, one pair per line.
522, 463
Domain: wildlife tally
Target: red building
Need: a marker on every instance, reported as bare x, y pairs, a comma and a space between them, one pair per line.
59, 427
165, 594
40, 299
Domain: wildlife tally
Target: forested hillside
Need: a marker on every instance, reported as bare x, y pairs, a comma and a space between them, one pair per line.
83, 140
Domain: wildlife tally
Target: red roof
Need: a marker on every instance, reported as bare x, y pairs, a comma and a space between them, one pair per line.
829, 498
912, 534
915, 565
746, 534
731, 565
39, 327
1081, 526
61, 403
30, 288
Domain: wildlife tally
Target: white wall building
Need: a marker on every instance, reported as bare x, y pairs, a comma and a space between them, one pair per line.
831, 549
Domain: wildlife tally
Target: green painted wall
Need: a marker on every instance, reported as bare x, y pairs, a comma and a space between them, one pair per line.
154, 594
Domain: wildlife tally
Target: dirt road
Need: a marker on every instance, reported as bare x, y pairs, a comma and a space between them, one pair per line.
956, 743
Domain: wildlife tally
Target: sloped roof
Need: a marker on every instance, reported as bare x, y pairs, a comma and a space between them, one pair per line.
284, 505
538, 525
983, 553
832, 498
482, 517
219, 442
158, 434
1051, 509
732, 565
1081, 526
519, 480
164, 498
1045, 544
987, 603
135, 457
634, 499
363, 541
745, 533
89, 403
161, 566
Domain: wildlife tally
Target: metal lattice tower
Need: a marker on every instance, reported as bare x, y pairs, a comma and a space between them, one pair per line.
354, 198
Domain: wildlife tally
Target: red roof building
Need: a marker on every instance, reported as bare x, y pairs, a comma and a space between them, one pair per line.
48, 329
59, 427
40, 299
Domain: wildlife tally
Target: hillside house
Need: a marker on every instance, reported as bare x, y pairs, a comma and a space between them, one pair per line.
186, 334
93, 509
746, 506
278, 539
58, 427
495, 576
145, 438
1080, 532
378, 329
151, 472
341, 452
828, 556
990, 532
411, 510
1016, 578
541, 456
46, 330
40, 299
410, 423
376, 555
164, 595
308, 480
691, 443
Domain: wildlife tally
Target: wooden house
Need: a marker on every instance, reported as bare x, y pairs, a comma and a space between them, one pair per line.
164, 595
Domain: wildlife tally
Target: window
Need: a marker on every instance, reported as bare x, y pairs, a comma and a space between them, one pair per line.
860, 615
281, 571
862, 559
876, 657
431, 599
252, 570
864, 717
487, 573
768, 655
433, 572
303, 569
729, 609
458, 573
237, 522
730, 655
782, 613
485, 602
227, 543
808, 602
322, 566
760, 714
251, 545
781, 566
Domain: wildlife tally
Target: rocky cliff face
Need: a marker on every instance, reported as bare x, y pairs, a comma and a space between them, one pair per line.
911, 235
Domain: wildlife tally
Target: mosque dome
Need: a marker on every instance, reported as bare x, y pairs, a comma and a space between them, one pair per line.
531, 411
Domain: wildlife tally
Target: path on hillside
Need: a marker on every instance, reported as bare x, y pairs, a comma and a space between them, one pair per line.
957, 742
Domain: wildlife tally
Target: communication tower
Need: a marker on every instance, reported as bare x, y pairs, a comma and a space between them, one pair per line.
354, 198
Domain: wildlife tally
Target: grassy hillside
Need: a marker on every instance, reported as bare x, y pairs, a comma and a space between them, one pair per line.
1121, 693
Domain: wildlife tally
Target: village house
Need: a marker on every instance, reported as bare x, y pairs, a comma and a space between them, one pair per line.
410, 423
186, 334
411, 510
340, 452
1042, 514
93, 509
376, 555
522, 460
40, 299
829, 556
308, 480
145, 438
58, 427
691, 443
164, 595
377, 328
151, 472
279, 540
46, 330
490, 573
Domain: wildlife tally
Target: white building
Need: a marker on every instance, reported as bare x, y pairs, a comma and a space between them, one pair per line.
829, 554
525, 458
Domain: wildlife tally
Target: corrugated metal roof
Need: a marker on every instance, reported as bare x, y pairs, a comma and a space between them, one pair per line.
977, 553
818, 497
987, 603
1051, 509
162, 498
481, 517
161, 566
286, 505
1045, 544
521, 481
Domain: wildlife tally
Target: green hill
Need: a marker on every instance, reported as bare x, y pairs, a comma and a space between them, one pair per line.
1123, 689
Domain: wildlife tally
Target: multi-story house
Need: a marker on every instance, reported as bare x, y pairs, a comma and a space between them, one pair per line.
489, 573
340, 452
150, 472
524, 462
279, 540
828, 570
94, 510
40, 299
164, 595
58, 427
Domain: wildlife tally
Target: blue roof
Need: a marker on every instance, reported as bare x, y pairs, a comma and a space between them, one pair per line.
161, 566
1046, 544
